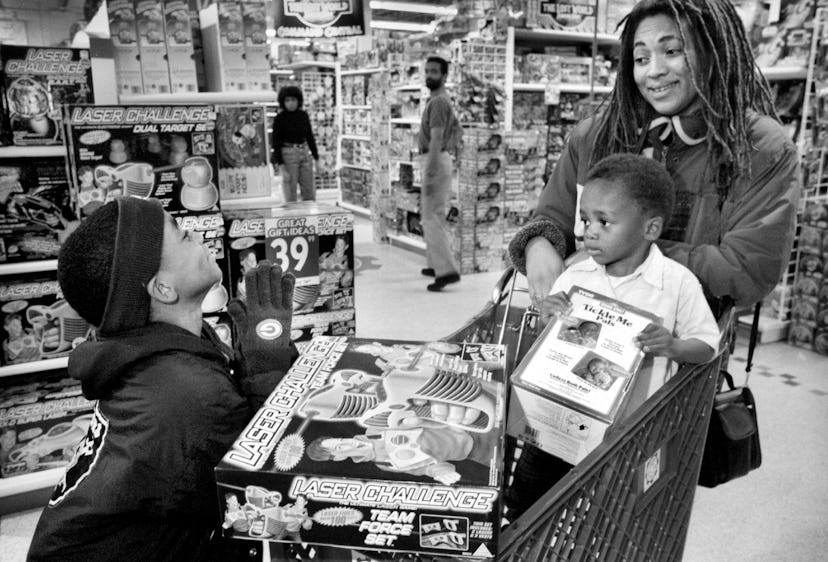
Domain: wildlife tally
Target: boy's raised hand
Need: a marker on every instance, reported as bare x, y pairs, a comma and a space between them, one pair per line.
554, 305
262, 324
656, 340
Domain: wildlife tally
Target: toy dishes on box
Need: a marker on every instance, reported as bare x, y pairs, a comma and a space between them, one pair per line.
37, 321
36, 82
35, 208
375, 444
160, 151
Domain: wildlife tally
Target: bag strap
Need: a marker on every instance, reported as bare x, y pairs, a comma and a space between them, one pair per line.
754, 335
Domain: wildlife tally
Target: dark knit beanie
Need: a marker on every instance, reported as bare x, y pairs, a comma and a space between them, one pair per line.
105, 265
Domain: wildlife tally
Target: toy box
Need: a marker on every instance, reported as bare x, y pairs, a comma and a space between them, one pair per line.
180, 54
244, 167
572, 383
36, 82
35, 208
124, 34
256, 49
222, 31
37, 321
313, 241
42, 418
155, 70
374, 444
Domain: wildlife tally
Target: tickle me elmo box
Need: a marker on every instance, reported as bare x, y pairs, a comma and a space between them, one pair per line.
375, 445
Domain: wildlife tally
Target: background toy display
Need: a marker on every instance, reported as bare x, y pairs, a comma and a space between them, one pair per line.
124, 35
410, 465
43, 416
37, 322
181, 55
35, 208
152, 46
36, 83
809, 311
313, 241
244, 151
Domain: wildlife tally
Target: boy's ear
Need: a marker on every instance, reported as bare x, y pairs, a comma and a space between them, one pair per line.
653, 228
161, 291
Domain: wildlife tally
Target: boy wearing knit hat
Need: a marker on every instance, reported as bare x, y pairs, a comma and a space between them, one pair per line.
171, 398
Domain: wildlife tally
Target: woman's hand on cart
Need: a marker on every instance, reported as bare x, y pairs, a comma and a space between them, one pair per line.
543, 266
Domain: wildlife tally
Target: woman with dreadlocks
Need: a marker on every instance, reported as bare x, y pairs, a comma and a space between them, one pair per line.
688, 94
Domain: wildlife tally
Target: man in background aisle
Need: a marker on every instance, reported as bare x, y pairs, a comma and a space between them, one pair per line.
440, 134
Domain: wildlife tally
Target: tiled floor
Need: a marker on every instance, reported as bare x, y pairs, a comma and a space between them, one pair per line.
776, 514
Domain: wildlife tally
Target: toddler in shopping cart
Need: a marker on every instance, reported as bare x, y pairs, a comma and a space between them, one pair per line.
626, 202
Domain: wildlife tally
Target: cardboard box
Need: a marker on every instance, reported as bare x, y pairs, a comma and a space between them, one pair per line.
222, 30
180, 54
36, 82
572, 383
124, 33
32, 312
244, 151
42, 419
313, 241
35, 208
355, 448
155, 71
256, 49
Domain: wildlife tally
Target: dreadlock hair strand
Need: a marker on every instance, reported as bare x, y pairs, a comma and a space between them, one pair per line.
731, 86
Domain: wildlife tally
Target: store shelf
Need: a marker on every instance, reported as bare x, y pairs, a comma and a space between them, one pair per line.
555, 36
776, 73
405, 120
277, 72
356, 137
28, 267
32, 151
264, 96
308, 64
356, 167
409, 87
356, 209
356, 107
354, 71
252, 203
34, 367
407, 242
567, 88
30, 482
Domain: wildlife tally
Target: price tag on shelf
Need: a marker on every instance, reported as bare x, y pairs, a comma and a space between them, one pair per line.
293, 244
552, 93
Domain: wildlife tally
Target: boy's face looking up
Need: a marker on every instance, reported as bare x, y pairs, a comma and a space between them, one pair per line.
186, 263
617, 232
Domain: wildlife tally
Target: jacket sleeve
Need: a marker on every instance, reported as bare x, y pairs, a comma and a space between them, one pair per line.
554, 217
311, 139
277, 140
757, 230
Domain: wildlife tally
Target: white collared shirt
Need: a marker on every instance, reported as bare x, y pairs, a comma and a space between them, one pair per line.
660, 286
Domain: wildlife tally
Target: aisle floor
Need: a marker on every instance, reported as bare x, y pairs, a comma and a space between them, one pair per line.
776, 514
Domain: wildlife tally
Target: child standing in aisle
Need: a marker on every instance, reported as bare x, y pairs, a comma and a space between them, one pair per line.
294, 146
626, 202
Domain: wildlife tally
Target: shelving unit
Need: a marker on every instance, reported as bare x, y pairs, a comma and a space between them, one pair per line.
564, 88
32, 151
264, 96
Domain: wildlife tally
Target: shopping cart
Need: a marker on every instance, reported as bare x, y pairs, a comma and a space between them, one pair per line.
630, 499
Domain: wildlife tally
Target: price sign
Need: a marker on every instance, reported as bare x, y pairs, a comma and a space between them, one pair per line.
293, 244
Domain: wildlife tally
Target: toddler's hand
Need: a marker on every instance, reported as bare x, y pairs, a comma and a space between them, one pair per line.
554, 305
656, 340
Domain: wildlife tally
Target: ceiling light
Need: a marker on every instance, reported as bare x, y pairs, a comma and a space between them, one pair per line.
414, 8
403, 26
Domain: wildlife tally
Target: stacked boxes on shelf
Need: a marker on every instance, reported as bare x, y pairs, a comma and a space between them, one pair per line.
480, 95
43, 416
525, 167
809, 315
356, 121
355, 89
355, 185
315, 242
319, 90
383, 213
355, 175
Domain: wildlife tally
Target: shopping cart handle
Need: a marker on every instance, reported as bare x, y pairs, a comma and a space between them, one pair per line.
501, 288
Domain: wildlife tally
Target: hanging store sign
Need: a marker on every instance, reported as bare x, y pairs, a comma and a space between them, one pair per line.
309, 19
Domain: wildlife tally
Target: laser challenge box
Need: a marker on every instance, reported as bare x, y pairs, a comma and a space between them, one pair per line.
37, 321
167, 152
36, 82
43, 416
571, 385
373, 444
35, 208
313, 241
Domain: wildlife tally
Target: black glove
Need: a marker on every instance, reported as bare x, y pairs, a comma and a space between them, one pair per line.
262, 325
